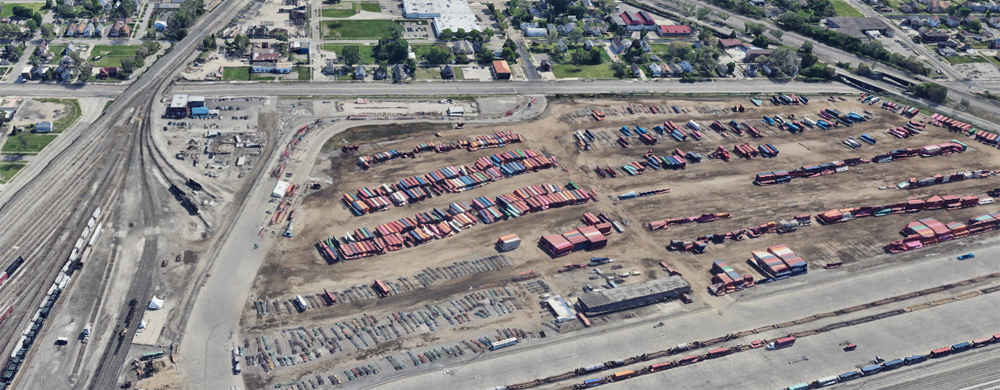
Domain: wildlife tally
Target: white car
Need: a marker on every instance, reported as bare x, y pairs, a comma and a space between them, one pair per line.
986, 201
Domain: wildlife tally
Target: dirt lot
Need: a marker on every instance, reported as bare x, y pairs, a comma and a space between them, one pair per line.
713, 186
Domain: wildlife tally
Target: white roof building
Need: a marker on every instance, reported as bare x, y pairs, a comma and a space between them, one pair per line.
559, 307
447, 14
280, 189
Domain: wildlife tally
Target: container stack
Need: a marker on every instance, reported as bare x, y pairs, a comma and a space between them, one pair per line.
508, 242
770, 264
725, 279
795, 263
585, 238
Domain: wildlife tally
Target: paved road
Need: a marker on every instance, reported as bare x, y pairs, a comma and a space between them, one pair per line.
817, 292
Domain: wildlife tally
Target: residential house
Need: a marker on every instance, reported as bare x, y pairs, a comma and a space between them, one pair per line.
994, 22
970, 18
43, 127
115, 29
933, 36
722, 70
98, 30
565, 29
561, 45
675, 70
4, 20
938, 7
727, 43
64, 73
462, 48
673, 31
952, 21
71, 30
636, 71
89, 30
107, 72
768, 70
655, 58
644, 44
359, 72
933, 21
527, 25
588, 44
664, 70
914, 21
655, 70
534, 32
618, 46
546, 66
380, 74
685, 66
750, 70
965, 48
551, 29
39, 73
947, 51
974, 7
330, 67
905, 8
125, 31
752, 54
43, 47
447, 73
995, 44
942, 45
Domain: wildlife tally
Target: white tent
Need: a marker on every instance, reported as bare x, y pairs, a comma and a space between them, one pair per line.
142, 325
155, 303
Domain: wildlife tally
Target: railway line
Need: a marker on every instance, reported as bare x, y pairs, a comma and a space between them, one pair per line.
43, 217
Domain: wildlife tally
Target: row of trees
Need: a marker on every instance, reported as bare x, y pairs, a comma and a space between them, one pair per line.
474, 35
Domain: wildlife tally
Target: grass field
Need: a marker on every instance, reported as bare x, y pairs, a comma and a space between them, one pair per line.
366, 52
434, 73
111, 55
602, 71
845, 10
8, 170
73, 112
57, 52
36, 142
8, 8
359, 29
966, 59
336, 12
304, 72
240, 73
368, 6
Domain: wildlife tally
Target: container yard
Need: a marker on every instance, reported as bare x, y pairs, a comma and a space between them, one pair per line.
621, 215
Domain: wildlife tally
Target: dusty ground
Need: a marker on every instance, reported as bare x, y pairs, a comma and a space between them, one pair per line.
295, 267
33, 111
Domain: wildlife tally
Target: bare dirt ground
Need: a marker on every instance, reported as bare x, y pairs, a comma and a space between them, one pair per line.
713, 186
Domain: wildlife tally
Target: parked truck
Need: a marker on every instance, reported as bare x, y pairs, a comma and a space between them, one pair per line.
783, 342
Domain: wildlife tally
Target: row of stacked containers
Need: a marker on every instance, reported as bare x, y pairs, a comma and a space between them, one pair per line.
495, 140
947, 178
727, 280
449, 179
928, 231
585, 238
438, 224
779, 177
950, 202
779, 262
951, 124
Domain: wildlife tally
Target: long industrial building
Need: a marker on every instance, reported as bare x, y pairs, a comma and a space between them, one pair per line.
633, 295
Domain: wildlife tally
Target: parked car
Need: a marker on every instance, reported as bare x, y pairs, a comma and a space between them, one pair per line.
966, 256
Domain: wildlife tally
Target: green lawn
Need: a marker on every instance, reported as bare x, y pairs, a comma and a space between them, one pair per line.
359, 29
368, 6
966, 59
845, 10
366, 52
8, 8
36, 142
72, 110
111, 55
458, 73
9, 169
57, 52
602, 71
336, 12
422, 50
241, 73
304, 72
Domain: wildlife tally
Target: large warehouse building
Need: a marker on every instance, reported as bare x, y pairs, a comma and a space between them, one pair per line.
447, 14
633, 295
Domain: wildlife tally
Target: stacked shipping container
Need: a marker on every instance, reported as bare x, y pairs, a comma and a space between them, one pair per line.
495, 140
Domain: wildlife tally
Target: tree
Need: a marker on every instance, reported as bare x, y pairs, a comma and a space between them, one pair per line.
460, 34
576, 35
411, 65
48, 31
761, 41
643, 33
85, 72
807, 47
619, 69
964, 104
962, 12
438, 55
786, 60
475, 35
731, 67
208, 43
578, 11
776, 33
21, 12
128, 65
66, 11
281, 36
48, 4
446, 34
703, 12
486, 56
241, 43
732, 34
809, 60
933, 92
862, 69
723, 16
487, 34
351, 55
559, 6
551, 35
975, 25
509, 54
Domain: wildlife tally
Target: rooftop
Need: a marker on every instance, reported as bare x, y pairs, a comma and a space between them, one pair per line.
633, 291
856, 26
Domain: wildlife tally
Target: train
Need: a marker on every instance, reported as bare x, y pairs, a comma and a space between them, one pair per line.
11, 270
893, 364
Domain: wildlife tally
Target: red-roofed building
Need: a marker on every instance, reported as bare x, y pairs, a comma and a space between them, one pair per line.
673, 31
630, 19
726, 43
646, 19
